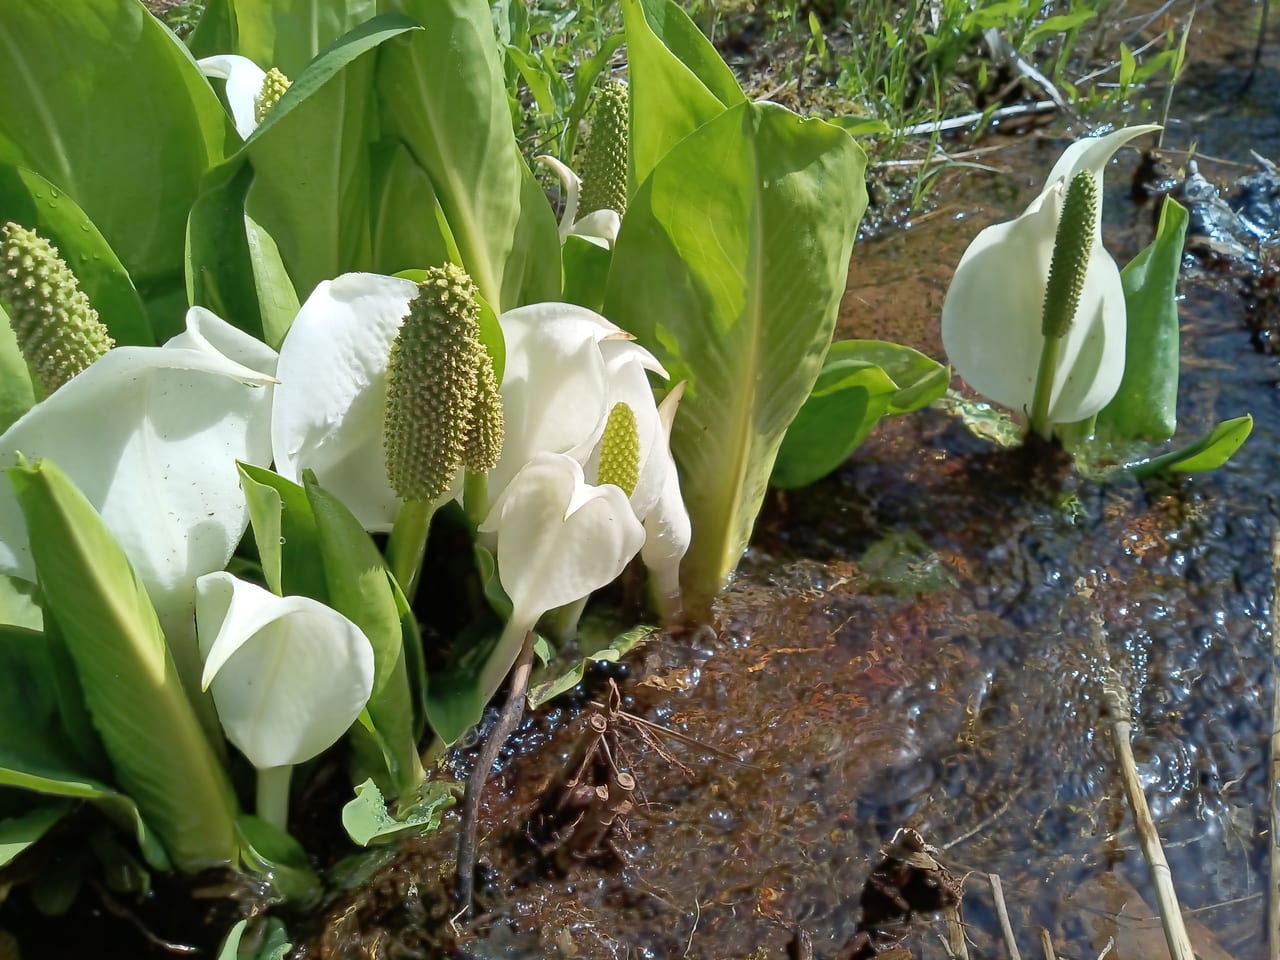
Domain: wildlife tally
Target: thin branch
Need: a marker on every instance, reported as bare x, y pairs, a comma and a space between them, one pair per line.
508, 720
1002, 912
1273, 895
1116, 700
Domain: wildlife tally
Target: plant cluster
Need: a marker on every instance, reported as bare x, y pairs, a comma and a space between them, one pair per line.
285, 296
281, 299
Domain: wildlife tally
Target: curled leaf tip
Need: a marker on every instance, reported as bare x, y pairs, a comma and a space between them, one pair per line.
56, 327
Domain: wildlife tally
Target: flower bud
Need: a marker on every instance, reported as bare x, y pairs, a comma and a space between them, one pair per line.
57, 329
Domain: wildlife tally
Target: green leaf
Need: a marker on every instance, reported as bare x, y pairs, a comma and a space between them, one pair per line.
619, 647
285, 530
311, 186
18, 604
1207, 453
367, 821
233, 265
409, 227
125, 124
1146, 404
730, 267
289, 34
19, 833
267, 939
1127, 67
677, 80
17, 396
861, 381
586, 272
151, 734
362, 589
272, 853
32, 201
443, 92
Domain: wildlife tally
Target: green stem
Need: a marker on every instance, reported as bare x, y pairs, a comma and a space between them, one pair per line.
273, 796
562, 622
475, 495
408, 544
1044, 387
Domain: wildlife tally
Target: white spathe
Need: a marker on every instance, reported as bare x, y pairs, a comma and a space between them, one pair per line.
289, 675
559, 540
244, 85
599, 226
333, 386
151, 436
991, 318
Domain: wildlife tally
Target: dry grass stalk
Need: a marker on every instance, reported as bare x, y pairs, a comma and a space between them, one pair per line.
1046, 943
1273, 894
1116, 700
1002, 912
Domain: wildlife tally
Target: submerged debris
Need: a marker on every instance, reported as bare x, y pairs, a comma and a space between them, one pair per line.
907, 880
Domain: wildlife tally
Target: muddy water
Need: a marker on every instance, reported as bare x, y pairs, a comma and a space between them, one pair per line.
910, 643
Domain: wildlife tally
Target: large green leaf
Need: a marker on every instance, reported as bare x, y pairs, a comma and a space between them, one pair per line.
407, 235
17, 395
730, 267
861, 381
233, 264
311, 187
20, 832
678, 82
32, 201
362, 589
1146, 405
101, 100
289, 34
441, 90
156, 744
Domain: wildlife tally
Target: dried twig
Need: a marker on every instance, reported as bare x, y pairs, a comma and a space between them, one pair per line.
968, 119
1046, 944
1116, 700
1002, 912
1273, 894
508, 719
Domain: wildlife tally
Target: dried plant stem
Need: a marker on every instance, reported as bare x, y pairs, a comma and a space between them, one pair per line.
1046, 943
1116, 701
508, 719
1273, 893
1002, 912
956, 945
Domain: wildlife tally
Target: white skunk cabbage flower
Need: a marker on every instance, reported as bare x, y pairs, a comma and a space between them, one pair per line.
991, 318
559, 539
151, 436
567, 367
289, 675
599, 226
251, 91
